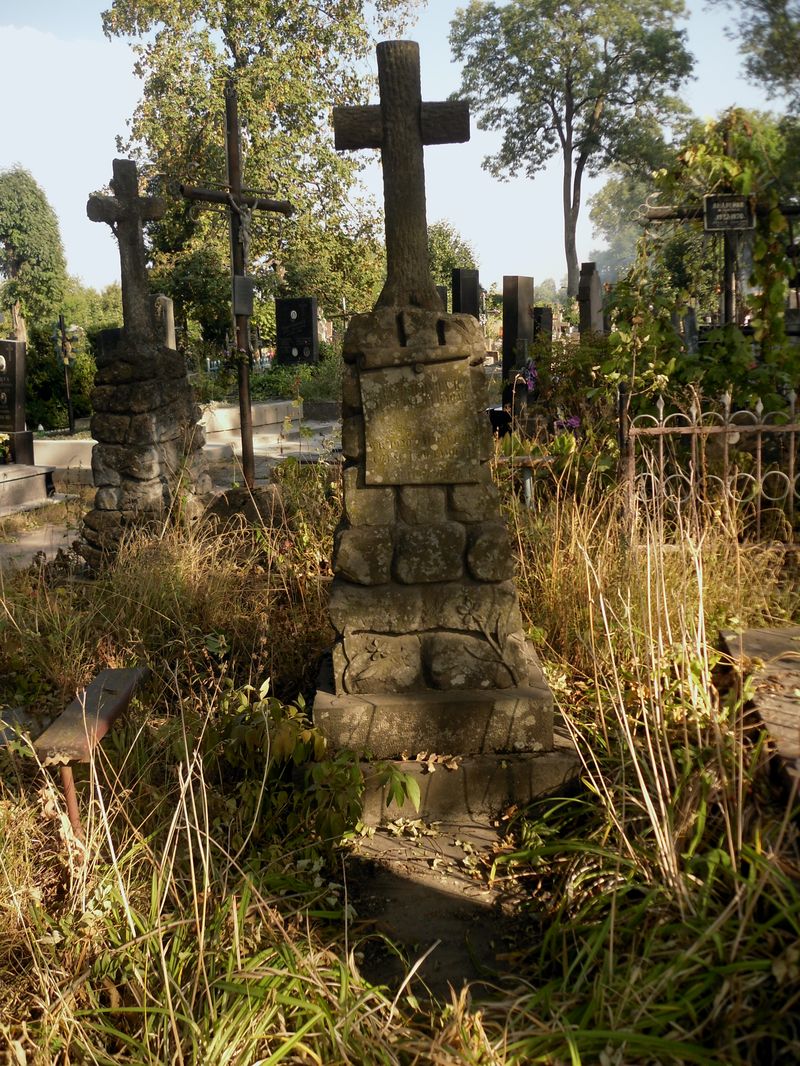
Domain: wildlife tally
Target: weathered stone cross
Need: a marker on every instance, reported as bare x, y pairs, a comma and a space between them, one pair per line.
125, 212
400, 126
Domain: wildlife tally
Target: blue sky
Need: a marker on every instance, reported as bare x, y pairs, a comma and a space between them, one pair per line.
74, 92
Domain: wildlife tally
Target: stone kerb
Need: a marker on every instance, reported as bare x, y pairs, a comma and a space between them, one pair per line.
430, 648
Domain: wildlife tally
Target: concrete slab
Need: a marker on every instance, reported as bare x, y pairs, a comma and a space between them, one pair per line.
22, 485
273, 439
42, 541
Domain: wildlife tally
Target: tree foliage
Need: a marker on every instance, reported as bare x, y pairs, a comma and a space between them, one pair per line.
31, 253
769, 38
290, 63
448, 251
591, 80
744, 153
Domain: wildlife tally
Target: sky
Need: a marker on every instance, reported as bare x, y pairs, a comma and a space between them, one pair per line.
69, 92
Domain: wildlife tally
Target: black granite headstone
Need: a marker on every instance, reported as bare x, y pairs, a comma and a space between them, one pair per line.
466, 293
297, 333
543, 323
12, 401
517, 321
590, 300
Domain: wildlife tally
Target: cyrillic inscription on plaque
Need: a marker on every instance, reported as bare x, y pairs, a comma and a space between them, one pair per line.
421, 425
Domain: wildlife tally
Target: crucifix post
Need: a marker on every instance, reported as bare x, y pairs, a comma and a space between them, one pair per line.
400, 126
125, 212
238, 202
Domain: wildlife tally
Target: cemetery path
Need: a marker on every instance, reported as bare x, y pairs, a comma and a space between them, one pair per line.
422, 891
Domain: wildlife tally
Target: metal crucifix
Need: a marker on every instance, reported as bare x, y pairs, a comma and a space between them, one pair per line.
400, 126
240, 204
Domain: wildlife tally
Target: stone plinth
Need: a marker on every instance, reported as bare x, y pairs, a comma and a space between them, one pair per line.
430, 652
148, 461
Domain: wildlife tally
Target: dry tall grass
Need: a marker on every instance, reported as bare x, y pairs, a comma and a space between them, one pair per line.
206, 922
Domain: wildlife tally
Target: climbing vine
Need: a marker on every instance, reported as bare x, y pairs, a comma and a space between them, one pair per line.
750, 155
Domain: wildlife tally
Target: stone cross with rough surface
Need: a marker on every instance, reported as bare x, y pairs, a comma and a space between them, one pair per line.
400, 126
125, 212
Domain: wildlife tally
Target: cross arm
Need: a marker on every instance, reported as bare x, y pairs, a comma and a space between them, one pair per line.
109, 209
214, 196
445, 123
362, 127
357, 127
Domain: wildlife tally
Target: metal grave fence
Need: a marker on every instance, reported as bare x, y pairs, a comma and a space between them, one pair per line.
713, 464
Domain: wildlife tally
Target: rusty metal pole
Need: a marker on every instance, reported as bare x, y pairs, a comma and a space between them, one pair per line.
729, 261
241, 322
71, 798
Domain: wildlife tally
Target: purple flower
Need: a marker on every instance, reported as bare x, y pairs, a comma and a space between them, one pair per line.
563, 425
529, 375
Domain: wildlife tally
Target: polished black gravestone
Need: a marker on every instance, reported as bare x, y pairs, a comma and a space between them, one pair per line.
517, 322
21, 483
543, 323
590, 300
12, 401
466, 293
297, 331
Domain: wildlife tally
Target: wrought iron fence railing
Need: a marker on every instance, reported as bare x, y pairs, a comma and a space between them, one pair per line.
715, 463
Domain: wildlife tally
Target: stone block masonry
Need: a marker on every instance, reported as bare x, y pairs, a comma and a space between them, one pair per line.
148, 461
430, 650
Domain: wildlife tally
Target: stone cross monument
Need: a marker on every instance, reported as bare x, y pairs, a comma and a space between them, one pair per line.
148, 460
430, 652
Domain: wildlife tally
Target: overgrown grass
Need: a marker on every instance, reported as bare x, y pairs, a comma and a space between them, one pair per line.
206, 918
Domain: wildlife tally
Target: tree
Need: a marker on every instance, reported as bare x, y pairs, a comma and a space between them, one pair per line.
31, 253
592, 80
290, 63
769, 33
448, 251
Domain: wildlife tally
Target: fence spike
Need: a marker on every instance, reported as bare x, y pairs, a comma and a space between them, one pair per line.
660, 407
759, 408
693, 412
792, 397
727, 399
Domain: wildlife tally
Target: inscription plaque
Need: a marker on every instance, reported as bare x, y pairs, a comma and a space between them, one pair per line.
726, 213
421, 425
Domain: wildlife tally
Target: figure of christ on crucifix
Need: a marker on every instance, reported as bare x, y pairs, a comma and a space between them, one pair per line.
240, 204
125, 212
400, 126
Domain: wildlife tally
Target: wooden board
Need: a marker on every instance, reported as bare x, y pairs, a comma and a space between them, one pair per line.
75, 733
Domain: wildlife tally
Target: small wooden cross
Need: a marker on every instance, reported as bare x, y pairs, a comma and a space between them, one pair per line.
400, 126
125, 212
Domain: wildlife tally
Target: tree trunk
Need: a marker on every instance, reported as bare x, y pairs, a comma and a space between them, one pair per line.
571, 250
18, 325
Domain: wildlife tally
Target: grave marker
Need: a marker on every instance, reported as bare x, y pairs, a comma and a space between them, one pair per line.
430, 652
296, 331
148, 460
517, 322
12, 401
543, 323
240, 205
466, 293
590, 300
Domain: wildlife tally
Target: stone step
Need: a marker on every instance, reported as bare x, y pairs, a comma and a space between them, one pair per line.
24, 486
